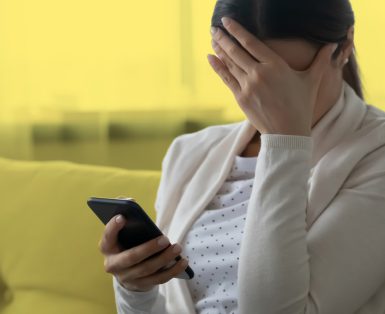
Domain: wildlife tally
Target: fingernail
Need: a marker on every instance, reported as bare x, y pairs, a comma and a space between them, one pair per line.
177, 248
213, 30
163, 241
225, 21
119, 219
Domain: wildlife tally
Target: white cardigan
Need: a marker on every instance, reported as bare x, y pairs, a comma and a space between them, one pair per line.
314, 239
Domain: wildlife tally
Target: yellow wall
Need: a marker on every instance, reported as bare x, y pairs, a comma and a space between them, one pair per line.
117, 54
370, 45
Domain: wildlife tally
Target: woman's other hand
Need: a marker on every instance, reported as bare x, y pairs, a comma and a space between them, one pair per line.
136, 269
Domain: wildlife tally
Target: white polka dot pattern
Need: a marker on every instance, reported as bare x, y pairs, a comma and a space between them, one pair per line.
213, 242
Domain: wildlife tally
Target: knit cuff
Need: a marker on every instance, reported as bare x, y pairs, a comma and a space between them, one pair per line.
286, 141
135, 295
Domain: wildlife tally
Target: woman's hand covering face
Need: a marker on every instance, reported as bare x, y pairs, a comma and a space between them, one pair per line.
275, 98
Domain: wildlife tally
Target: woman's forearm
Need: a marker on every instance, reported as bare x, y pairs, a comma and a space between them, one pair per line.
274, 262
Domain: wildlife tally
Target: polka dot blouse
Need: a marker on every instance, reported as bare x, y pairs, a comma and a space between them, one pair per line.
212, 245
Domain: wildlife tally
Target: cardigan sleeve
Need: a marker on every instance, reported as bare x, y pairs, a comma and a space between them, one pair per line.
136, 302
333, 268
150, 302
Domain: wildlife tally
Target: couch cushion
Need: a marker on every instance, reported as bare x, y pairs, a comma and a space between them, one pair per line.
49, 256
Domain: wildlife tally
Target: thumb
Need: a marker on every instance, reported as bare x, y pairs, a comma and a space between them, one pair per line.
109, 241
323, 57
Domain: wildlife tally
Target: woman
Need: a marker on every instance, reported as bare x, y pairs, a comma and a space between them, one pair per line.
283, 212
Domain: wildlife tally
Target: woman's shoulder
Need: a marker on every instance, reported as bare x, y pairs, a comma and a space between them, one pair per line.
375, 120
209, 132
187, 151
374, 114
371, 145
203, 139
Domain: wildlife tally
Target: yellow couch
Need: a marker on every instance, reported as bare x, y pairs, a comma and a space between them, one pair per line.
50, 262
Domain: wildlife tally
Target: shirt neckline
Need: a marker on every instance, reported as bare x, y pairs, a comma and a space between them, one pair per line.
245, 158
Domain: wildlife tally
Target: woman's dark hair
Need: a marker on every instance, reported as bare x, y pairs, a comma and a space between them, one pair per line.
318, 21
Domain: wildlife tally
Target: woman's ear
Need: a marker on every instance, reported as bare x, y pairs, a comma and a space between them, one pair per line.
347, 49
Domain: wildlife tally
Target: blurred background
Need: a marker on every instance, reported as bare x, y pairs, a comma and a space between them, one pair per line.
113, 82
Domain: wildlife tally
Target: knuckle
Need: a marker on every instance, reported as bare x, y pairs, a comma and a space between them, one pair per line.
247, 91
215, 45
228, 64
129, 258
169, 258
103, 246
100, 246
232, 49
107, 265
220, 55
218, 36
218, 50
133, 255
173, 253
160, 262
166, 276
248, 43
164, 258
145, 270
254, 70
225, 61
106, 237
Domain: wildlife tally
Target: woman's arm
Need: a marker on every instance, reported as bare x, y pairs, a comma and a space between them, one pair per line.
151, 302
331, 269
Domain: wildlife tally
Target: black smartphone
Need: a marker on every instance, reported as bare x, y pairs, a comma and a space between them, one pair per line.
139, 227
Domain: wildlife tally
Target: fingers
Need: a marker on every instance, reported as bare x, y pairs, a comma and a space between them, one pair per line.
224, 73
128, 258
163, 276
252, 44
152, 265
323, 57
109, 241
237, 54
234, 69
